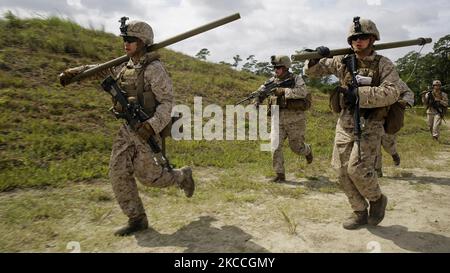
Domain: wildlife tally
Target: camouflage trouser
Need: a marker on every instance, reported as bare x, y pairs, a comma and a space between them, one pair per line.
132, 159
434, 122
292, 126
358, 179
389, 144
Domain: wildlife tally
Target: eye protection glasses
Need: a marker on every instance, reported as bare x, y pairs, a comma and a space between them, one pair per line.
360, 37
130, 39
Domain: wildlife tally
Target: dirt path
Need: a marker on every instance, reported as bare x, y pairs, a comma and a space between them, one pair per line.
417, 219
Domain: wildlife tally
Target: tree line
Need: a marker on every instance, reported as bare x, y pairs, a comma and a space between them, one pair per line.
419, 70
250, 64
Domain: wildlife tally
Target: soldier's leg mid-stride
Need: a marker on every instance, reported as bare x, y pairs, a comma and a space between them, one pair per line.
131, 160
389, 144
293, 100
292, 127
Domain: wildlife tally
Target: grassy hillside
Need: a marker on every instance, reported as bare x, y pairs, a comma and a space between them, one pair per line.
51, 136
57, 142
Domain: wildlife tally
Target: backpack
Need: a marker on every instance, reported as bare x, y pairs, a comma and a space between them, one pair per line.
395, 118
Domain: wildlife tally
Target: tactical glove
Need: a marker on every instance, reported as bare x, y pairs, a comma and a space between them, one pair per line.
69, 74
323, 51
279, 92
363, 81
349, 97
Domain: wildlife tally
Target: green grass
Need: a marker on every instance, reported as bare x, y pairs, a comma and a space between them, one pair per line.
291, 225
61, 36
48, 220
421, 187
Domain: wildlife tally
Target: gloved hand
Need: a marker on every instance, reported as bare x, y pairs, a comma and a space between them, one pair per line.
323, 51
145, 130
279, 92
68, 74
349, 97
363, 81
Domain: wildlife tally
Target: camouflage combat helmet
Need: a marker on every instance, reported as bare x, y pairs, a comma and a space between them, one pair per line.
137, 29
437, 82
362, 26
280, 60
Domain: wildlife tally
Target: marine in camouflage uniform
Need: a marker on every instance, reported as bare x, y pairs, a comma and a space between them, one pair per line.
389, 141
144, 79
434, 118
292, 102
378, 83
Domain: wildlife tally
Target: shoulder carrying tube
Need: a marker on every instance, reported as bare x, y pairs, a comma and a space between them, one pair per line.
170, 41
344, 51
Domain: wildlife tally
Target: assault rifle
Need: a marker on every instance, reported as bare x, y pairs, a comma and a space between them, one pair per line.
268, 89
351, 63
436, 105
134, 115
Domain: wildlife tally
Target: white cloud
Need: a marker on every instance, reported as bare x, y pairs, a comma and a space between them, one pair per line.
267, 27
75, 4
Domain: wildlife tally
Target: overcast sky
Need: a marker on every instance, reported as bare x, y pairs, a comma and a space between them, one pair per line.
267, 27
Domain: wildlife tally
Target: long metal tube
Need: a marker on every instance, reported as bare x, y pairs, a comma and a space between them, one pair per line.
167, 42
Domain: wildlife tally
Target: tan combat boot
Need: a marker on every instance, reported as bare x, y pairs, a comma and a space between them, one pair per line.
188, 184
377, 210
133, 226
356, 220
309, 157
279, 178
379, 172
396, 159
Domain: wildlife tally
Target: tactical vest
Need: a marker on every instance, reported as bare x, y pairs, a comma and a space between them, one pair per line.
302, 104
392, 115
131, 80
367, 69
436, 96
